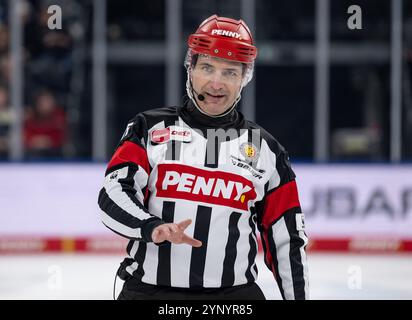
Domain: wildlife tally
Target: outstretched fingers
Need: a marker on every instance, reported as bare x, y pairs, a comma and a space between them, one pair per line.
191, 241
174, 233
184, 224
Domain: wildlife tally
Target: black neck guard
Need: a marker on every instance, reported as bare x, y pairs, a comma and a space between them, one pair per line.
195, 118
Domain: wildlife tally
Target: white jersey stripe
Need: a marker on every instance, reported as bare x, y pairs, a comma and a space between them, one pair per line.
150, 263
140, 178
120, 228
181, 254
134, 249
302, 235
132, 268
216, 246
243, 248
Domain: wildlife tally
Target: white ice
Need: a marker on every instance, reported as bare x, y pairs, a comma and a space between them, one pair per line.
84, 276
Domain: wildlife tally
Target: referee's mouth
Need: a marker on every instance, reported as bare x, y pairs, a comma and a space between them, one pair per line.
214, 98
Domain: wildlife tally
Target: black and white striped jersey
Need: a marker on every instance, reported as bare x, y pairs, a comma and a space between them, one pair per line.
226, 174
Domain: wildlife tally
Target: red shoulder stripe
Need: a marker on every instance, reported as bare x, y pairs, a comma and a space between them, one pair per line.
130, 152
276, 203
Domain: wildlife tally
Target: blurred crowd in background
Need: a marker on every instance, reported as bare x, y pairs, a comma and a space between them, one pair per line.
58, 88
47, 58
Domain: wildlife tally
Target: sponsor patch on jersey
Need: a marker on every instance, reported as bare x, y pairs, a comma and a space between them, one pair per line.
213, 187
257, 173
249, 151
300, 222
171, 133
160, 135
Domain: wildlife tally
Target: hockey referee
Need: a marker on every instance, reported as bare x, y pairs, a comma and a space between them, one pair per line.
190, 185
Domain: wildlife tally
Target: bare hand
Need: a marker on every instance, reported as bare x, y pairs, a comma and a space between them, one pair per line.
174, 233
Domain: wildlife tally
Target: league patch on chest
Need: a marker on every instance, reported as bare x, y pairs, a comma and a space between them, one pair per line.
249, 151
171, 133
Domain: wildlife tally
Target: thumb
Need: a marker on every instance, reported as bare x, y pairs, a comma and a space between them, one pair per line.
155, 235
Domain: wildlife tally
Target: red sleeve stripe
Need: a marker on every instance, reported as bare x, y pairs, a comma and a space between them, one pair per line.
130, 152
269, 258
282, 199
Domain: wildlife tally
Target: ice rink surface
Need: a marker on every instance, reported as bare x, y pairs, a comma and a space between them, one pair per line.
91, 277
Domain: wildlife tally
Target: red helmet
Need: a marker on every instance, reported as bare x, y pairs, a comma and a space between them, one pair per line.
224, 38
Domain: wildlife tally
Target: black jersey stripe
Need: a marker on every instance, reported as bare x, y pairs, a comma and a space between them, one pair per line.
129, 246
108, 205
117, 213
163, 267
212, 152
127, 184
228, 275
294, 255
146, 194
173, 146
252, 251
272, 248
173, 150
198, 257
140, 257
